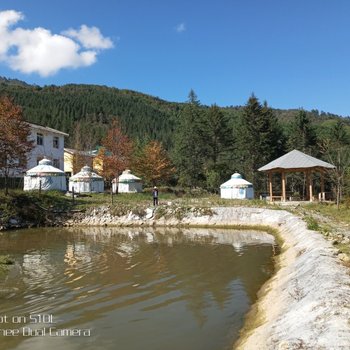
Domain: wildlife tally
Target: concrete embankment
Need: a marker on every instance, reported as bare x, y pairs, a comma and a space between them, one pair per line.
306, 305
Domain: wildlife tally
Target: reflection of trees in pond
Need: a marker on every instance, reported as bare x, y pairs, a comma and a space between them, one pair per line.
203, 272
100, 270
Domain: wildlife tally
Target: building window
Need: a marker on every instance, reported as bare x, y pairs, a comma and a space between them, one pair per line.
56, 142
39, 139
56, 163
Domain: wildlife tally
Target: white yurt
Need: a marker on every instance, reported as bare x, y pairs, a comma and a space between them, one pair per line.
127, 183
45, 177
237, 188
86, 181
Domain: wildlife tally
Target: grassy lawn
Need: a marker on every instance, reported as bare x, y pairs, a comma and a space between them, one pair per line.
339, 215
33, 204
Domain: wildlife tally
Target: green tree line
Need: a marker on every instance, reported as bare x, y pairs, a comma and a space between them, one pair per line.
206, 144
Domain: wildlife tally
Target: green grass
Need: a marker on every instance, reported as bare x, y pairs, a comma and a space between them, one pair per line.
329, 209
32, 206
312, 223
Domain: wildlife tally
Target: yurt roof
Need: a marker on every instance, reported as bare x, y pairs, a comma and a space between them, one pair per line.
236, 181
45, 168
86, 173
126, 176
296, 160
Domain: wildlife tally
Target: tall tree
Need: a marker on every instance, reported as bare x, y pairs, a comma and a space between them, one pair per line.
218, 145
336, 150
301, 135
153, 164
82, 143
15, 140
117, 151
189, 149
259, 139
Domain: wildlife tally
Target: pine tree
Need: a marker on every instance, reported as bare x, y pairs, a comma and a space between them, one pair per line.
190, 147
335, 148
302, 135
259, 140
218, 137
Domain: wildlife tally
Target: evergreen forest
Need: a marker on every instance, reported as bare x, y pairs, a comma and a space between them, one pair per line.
205, 144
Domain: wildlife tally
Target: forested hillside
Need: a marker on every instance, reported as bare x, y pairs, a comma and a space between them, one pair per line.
205, 143
90, 109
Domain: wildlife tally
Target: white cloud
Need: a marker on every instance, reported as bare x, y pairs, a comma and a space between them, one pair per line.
181, 27
40, 51
90, 38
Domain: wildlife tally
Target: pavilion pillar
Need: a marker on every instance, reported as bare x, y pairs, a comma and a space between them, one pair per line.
270, 186
323, 193
310, 185
283, 186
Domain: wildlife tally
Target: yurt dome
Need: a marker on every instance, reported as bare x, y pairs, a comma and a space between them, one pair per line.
46, 177
237, 188
127, 183
86, 181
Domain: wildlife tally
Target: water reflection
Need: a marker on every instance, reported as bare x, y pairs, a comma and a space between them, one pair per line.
149, 289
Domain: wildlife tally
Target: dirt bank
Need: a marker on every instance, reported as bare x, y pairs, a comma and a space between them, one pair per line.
306, 305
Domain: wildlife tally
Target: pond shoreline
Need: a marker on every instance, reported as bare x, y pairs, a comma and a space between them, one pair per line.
305, 305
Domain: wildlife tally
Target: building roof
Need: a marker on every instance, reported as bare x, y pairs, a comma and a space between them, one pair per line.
45, 168
236, 181
82, 153
86, 173
296, 160
46, 128
127, 177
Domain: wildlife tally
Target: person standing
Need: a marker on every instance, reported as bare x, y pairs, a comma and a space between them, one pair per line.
155, 195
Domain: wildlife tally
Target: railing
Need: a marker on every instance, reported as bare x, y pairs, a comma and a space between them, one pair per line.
12, 182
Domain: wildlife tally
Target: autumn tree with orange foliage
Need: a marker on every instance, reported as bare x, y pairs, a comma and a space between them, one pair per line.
14, 139
152, 164
116, 152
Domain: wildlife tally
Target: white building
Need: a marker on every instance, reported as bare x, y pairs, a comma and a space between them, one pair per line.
48, 143
45, 177
127, 183
237, 188
86, 181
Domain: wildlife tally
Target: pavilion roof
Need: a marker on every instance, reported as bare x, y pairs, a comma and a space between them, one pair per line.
296, 160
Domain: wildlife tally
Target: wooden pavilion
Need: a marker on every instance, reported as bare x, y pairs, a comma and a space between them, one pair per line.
296, 161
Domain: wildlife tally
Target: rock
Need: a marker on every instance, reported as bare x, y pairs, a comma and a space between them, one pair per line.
344, 257
291, 345
149, 213
336, 252
345, 240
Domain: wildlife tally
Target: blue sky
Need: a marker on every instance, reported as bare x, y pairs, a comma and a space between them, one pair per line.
291, 53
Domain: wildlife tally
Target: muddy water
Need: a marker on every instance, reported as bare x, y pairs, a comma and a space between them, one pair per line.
104, 288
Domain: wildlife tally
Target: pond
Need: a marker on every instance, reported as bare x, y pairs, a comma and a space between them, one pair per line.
113, 288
